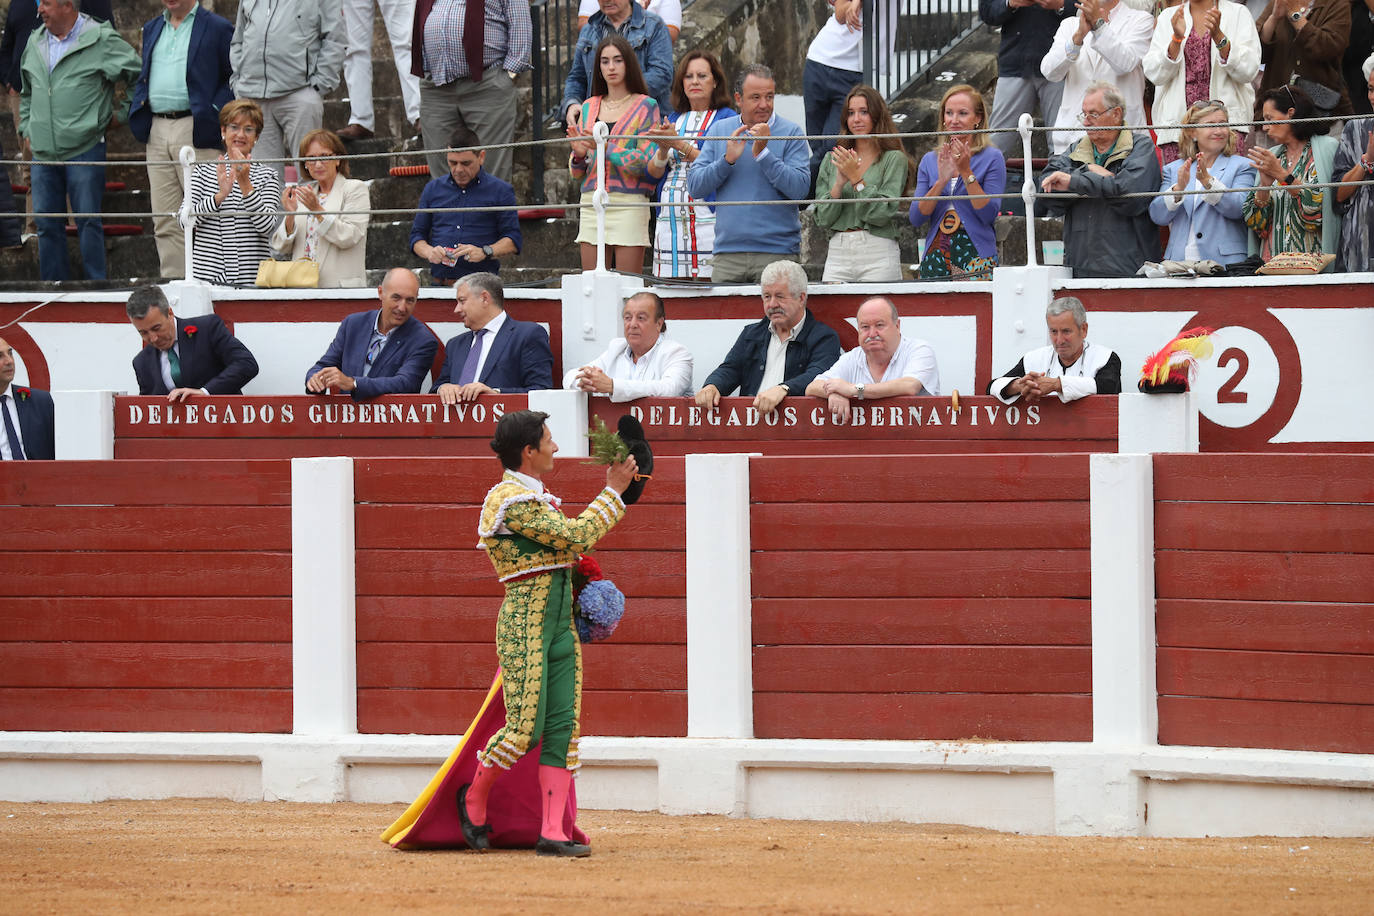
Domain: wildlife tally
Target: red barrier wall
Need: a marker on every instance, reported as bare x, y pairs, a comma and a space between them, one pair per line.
428, 598
1264, 578
939, 597
146, 596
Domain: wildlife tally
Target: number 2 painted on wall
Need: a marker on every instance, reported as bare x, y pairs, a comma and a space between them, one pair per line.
1227, 393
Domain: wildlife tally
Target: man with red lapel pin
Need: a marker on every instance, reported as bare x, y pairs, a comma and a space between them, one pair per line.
185, 357
27, 415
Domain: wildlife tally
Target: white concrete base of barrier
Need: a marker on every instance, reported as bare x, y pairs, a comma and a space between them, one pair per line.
1035, 788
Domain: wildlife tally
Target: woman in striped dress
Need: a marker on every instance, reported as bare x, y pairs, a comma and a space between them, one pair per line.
685, 235
233, 200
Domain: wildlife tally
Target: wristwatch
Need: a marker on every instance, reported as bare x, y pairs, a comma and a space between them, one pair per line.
859, 392
1099, 24
1288, 179
486, 250
1296, 15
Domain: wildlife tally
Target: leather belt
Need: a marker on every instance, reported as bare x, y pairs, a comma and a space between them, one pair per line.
171, 115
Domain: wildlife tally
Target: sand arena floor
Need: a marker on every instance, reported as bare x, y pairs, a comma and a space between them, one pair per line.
206, 856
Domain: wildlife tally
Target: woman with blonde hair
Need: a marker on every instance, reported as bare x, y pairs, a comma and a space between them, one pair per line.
336, 241
966, 168
858, 173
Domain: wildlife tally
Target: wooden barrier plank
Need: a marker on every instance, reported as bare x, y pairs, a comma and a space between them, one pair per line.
1227, 477
646, 573
1283, 527
397, 447
449, 712
231, 482
922, 574
387, 526
922, 669
1207, 722
946, 478
948, 525
425, 666
1256, 576
194, 574
141, 619
116, 528
921, 621
110, 710
145, 665
923, 716
813, 448
465, 481
1276, 626
661, 621
1308, 677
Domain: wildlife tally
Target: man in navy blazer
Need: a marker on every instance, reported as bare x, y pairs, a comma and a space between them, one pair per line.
176, 103
781, 354
185, 356
379, 352
497, 354
26, 416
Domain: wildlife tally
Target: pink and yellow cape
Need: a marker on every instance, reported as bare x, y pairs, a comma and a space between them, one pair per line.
431, 821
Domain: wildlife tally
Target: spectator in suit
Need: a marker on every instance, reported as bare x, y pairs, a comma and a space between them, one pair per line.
378, 352
1068, 369
183, 85
647, 35
497, 354
643, 363
27, 415
781, 354
185, 357
71, 69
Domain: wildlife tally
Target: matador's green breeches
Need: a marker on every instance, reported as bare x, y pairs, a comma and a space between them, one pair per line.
541, 660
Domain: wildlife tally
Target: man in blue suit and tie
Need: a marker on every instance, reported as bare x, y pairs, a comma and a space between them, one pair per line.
27, 414
185, 356
176, 103
379, 352
497, 355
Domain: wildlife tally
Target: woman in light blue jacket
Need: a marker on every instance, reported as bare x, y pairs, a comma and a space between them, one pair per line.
1206, 226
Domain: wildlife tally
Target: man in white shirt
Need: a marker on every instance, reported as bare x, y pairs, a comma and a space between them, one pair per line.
643, 363
1068, 369
884, 364
1105, 42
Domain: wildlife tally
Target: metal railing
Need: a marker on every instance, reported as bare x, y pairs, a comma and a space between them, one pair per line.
903, 39
553, 44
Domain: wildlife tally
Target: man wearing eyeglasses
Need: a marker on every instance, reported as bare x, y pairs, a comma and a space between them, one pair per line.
1106, 42
1105, 233
378, 352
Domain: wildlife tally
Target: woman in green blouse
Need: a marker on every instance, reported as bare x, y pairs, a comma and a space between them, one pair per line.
858, 174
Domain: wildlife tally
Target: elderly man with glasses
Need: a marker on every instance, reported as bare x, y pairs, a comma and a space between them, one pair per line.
1106, 234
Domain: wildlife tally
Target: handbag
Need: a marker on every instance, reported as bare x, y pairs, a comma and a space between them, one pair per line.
1324, 99
302, 273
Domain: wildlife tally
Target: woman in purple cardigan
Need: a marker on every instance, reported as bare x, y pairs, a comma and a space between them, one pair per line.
961, 242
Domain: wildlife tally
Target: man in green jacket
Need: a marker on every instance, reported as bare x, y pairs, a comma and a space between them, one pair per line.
69, 74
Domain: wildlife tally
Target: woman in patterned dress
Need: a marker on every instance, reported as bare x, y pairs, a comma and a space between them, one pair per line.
684, 236
1283, 210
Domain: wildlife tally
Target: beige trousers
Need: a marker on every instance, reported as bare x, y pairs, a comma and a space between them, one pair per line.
166, 137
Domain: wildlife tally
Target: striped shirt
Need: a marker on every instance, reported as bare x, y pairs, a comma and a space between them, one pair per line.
506, 38
233, 237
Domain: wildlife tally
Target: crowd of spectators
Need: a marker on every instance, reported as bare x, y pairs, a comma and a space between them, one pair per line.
725, 169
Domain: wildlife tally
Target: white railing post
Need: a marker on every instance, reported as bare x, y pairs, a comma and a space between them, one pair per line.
599, 197
188, 161
1023, 127
85, 424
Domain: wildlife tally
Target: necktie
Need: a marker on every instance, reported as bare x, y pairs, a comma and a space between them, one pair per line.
175, 362
469, 373
474, 25
16, 447
372, 350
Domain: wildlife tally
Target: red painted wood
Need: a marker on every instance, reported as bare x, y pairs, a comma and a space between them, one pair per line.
451, 619
204, 449
1274, 626
194, 574
423, 666
1284, 527
849, 448
1265, 478
921, 621
140, 619
1206, 722
922, 574
1264, 576
922, 669
932, 716
1307, 677
142, 710
449, 712
149, 483
948, 525
140, 665
117, 528
952, 478
465, 481
1279, 295
653, 574
649, 526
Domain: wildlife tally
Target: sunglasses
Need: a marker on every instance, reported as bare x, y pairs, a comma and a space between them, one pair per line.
1207, 103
